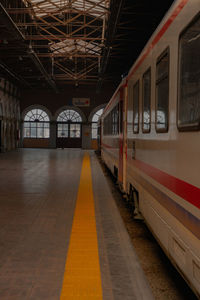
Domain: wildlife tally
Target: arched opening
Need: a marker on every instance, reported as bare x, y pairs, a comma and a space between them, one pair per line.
36, 128
69, 131
94, 127
95, 119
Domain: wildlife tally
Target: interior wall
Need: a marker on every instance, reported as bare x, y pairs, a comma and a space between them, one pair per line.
9, 116
54, 102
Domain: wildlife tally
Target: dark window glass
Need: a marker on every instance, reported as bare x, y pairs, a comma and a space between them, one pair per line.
111, 122
162, 92
189, 78
136, 108
146, 114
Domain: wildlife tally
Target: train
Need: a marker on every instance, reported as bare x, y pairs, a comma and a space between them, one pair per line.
149, 137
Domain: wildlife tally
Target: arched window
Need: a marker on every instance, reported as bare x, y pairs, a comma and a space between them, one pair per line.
69, 124
69, 115
95, 119
36, 124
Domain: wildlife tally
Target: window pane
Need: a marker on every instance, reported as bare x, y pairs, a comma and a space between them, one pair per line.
33, 124
33, 132
27, 132
136, 108
40, 132
62, 133
59, 126
162, 105
94, 130
162, 93
75, 130
46, 133
26, 125
65, 126
189, 83
62, 130
146, 101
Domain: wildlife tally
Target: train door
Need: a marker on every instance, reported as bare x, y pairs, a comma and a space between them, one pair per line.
69, 135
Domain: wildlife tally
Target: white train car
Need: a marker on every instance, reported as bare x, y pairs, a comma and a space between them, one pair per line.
156, 158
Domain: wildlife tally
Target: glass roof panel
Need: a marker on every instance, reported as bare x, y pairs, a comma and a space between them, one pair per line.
92, 7
67, 46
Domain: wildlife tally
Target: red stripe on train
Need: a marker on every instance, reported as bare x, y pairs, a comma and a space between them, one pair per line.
181, 188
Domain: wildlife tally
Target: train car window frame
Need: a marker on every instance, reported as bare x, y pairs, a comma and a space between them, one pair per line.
111, 122
144, 130
159, 80
193, 126
137, 84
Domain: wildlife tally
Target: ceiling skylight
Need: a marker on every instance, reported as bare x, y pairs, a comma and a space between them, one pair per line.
91, 7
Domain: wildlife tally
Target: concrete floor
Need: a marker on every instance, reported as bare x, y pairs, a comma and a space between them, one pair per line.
38, 191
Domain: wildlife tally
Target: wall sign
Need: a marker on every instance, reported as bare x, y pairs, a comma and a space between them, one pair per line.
81, 101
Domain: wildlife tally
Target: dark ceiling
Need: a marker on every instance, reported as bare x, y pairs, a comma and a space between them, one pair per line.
74, 41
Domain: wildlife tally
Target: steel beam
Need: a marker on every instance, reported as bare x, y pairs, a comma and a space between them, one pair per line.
12, 74
41, 68
115, 10
6, 19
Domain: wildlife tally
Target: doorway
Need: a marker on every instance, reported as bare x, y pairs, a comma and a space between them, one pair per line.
69, 135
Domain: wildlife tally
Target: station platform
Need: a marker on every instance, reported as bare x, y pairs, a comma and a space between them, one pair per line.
61, 235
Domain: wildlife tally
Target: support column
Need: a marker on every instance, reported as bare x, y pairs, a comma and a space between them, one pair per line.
86, 136
53, 134
21, 134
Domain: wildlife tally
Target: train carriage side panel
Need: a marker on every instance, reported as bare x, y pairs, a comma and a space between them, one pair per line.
163, 161
110, 134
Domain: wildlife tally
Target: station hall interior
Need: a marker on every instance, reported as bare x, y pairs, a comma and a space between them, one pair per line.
62, 61
61, 232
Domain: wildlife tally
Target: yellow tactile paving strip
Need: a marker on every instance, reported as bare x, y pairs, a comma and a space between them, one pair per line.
82, 278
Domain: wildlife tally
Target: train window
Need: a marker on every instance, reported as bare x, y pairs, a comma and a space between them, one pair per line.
120, 116
136, 107
111, 122
162, 92
116, 120
189, 78
146, 101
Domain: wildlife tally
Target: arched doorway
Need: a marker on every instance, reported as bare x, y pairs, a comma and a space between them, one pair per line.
69, 129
